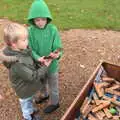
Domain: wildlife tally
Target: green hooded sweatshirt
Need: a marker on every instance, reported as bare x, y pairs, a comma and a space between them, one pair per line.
45, 40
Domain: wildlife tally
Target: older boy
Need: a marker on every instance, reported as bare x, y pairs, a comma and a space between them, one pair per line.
44, 39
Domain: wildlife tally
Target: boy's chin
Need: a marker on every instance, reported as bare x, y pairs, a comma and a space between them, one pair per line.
23, 48
41, 26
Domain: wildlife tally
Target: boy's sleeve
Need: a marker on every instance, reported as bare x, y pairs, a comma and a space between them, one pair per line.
57, 43
28, 74
4, 58
34, 54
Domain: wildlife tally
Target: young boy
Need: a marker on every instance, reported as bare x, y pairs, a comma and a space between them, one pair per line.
44, 39
26, 78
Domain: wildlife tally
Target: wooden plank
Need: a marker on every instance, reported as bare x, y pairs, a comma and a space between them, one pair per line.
114, 92
102, 114
98, 89
91, 117
113, 100
99, 116
116, 117
100, 101
112, 70
117, 82
107, 113
114, 87
95, 97
84, 104
108, 79
118, 109
101, 106
86, 107
104, 84
89, 108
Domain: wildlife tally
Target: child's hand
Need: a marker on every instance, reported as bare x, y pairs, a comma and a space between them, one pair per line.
54, 55
47, 62
41, 60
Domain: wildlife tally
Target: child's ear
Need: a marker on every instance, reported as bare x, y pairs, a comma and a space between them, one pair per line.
13, 44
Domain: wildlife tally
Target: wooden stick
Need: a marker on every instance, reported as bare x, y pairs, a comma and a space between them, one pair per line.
112, 91
107, 113
100, 101
113, 100
118, 109
116, 117
95, 97
104, 84
98, 89
117, 82
91, 117
114, 87
108, 79
84, 104
85, 108
89, 108
100, 115
101, 106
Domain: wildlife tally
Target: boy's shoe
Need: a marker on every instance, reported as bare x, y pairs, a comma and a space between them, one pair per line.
41, 100
51, 108
34, 117
36, 110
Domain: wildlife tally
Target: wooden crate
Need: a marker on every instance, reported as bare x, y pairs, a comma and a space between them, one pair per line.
112, 71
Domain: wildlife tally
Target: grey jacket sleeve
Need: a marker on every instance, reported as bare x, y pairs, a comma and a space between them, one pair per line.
29, 74
8, 58
5, 58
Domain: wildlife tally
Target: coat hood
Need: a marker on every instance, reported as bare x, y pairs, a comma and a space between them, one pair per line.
39, 9
9, 52
13, 56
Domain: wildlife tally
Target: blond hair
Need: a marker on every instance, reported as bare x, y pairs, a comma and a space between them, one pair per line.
12, 32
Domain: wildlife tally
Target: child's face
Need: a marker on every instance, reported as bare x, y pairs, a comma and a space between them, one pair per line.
40, 22
22, 43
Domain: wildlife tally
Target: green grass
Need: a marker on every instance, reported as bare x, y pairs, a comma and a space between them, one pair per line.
67, 14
